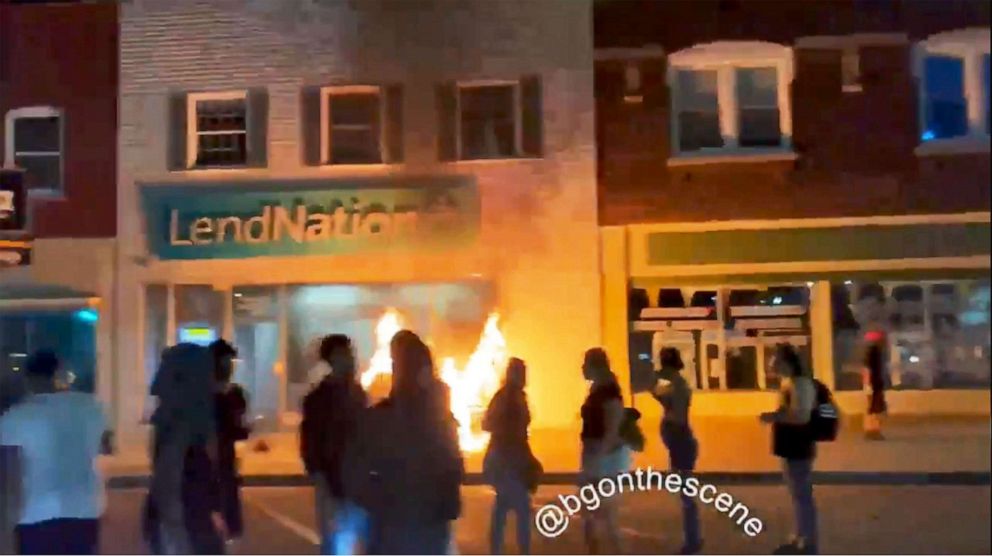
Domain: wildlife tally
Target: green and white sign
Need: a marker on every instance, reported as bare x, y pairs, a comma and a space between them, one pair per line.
311, 217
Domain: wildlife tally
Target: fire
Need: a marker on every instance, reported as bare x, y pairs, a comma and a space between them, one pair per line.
471, 386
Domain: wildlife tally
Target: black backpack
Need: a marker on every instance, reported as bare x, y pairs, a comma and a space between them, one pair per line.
825, 419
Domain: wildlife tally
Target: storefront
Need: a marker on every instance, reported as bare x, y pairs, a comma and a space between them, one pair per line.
727, 293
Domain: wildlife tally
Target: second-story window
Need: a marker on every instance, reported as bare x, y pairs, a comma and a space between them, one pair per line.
218, 130
954, 85
352, 132
34, 144
482, 120
731, 98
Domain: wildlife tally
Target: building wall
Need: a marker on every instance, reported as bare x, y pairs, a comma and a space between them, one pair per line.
855, 152
538, 239
64, 55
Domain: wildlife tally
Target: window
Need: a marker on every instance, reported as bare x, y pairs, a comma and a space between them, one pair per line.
484, 120
220, 130
34, 143
731, 97
954, 81
351, 131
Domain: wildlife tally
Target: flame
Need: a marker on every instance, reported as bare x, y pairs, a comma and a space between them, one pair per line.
471, 386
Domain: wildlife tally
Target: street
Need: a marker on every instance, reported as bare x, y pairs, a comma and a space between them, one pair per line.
853, 519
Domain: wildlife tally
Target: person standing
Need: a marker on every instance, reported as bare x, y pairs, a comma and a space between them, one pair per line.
58, 436
604, 454
793, 442
509, 465
873, 377
231, 407
405, 466
330, 415
675, 396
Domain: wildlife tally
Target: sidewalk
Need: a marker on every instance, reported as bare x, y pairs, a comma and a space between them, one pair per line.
727, 445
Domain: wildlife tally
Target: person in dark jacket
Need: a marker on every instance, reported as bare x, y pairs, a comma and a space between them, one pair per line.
873, 376
231, 406
330, 415
509, 465
405, 464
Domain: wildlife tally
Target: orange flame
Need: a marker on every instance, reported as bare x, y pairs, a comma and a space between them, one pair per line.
471, 386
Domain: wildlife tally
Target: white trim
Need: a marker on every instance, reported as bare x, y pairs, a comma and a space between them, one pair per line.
10, 151
325, 122
645, 270
836, 222
726, 57
62, 303
518, 124
954, 145
729, 156
970, 45
192, 134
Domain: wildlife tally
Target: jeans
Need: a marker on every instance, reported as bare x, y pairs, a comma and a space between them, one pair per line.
60, 536
342, 524
511, 495
799, 478
682, 453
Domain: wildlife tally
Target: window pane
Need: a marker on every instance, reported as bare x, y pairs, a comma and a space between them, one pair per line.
36, 135
757, 87
41, 172
697, 91
355, 146
488, 122
355, 109
199, 313
222, 150
760, 127
220, 115
698, 130
946, 108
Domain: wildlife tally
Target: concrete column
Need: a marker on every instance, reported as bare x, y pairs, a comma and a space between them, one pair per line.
822, 333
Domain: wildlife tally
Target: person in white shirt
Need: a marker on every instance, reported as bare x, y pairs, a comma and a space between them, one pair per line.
58, 436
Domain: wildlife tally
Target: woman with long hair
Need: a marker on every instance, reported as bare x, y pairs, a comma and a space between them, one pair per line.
604, 453
873, 377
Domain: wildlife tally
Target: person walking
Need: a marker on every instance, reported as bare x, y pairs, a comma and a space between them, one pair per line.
57, 436
675, 396
231, 407
330, 416
183, 513
509, 465
604, 453
405, 466
873, 378
793, 442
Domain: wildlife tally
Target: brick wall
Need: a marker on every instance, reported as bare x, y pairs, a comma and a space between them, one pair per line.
855, 151
65, 56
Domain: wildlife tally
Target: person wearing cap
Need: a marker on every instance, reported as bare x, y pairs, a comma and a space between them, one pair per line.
58, 435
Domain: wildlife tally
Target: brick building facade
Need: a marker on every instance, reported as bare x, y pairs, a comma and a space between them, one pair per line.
802, 172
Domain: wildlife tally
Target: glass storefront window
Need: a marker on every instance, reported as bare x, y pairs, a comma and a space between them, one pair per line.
199, 314
936, 332
726, 335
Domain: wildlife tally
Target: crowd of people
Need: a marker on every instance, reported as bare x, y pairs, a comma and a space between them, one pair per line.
386, 476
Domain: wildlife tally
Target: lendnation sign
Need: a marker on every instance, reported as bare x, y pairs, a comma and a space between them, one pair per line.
280, 218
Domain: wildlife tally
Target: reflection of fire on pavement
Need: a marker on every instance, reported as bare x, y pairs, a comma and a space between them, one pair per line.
472, 386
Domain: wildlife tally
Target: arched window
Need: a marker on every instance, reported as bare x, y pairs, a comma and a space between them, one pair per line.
953, 72
731, 98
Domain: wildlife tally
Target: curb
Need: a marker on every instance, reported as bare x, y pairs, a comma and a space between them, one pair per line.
834, 478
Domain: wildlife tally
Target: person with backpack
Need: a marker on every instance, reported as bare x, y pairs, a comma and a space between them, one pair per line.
675, 395
794, 441
405, 466
509, 465
604, 452
330, 419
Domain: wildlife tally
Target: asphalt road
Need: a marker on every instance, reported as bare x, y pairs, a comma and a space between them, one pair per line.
853, 520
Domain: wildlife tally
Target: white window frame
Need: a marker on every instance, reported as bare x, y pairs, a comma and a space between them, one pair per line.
10, 149
193, 134
518, 123
325, 123
970, 45
726, 57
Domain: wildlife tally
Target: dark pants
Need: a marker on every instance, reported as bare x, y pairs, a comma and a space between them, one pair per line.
60, 536
682, 453
799, 478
